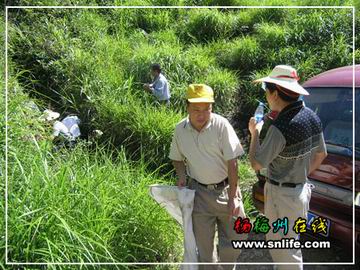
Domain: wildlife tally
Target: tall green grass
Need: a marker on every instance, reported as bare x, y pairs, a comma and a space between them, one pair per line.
314, 28
207, 25
242, 55
2, 147
80, 58
71, 206
271, 36
82, 205
131, 125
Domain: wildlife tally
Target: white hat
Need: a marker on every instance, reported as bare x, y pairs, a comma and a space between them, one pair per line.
285, 76
49, 115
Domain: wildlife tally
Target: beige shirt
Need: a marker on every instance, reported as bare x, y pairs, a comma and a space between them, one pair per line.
206, 152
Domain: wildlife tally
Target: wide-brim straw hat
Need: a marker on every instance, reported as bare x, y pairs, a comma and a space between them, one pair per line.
286, 77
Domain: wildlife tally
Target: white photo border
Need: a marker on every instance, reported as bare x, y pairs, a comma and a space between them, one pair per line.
7, 262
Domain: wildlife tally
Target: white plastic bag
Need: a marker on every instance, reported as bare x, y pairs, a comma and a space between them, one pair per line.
179, 202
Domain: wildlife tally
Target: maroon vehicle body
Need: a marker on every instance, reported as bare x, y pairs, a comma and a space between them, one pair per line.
333, 194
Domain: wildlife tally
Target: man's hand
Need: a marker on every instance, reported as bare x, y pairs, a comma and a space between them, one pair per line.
181, 182
146, 87
180, 171
253, 126
233, 207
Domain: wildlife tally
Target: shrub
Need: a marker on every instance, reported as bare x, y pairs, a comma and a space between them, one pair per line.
87, 25
139, 128
205, 25
164, 37
242, 54
307, 68
197, 61
270, 36
289, 55
244, 22
40, 54
148, 20
270, 15
337, 53
318, 27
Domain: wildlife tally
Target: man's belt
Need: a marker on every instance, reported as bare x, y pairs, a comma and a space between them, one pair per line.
292, 185
223, 183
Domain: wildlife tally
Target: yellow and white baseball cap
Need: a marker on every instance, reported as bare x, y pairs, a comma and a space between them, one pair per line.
200, 93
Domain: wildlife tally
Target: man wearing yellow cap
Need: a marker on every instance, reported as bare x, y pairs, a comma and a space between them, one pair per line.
292, 148
205, 149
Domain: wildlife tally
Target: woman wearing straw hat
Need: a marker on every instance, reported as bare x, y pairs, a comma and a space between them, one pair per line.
292, 148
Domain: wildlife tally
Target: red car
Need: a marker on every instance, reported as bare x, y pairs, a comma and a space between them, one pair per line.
331, 97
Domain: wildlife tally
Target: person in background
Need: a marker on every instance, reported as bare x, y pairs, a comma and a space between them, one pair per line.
205, 149
68, 127
292, 148
65, 132
159, 87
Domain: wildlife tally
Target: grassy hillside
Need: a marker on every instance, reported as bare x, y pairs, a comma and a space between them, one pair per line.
79, 59
91, 203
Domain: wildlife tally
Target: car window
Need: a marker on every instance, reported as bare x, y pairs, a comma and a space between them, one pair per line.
334, 106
